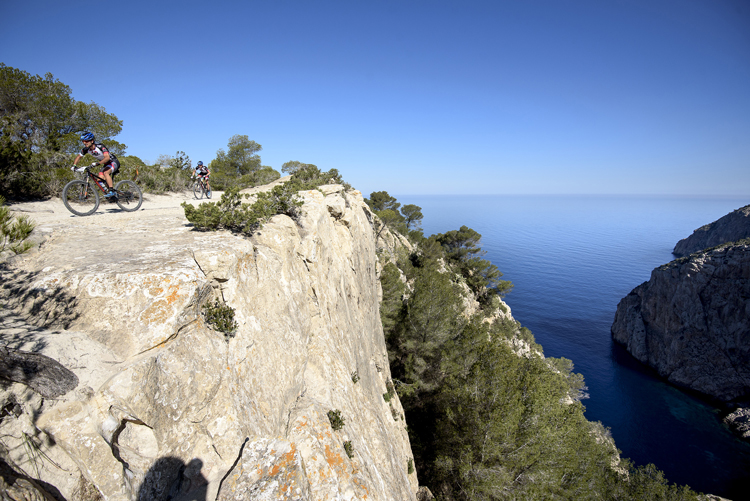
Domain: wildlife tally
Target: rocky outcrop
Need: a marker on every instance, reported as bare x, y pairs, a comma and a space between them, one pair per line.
168, 408
730, 228
691, 322
739, 422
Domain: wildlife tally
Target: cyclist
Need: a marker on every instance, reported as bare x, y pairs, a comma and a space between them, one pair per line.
202, 172
107, 162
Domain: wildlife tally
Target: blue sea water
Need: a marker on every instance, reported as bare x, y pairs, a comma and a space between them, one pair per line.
571, 259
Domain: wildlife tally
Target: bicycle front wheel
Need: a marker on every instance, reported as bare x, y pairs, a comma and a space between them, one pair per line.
129, 196
198, 190
80, 198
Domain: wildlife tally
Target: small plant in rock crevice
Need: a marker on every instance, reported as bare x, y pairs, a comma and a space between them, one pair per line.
220, 316
355, 377
410, 466
391, 391
349, 449
336, 419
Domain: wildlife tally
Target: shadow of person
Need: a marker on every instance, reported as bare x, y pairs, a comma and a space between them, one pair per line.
169, 479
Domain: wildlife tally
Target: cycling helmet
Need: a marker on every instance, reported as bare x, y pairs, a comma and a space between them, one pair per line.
87, 136
200, 162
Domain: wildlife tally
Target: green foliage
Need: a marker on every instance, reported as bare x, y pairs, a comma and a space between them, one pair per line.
349, 449
241, 217
336, 419
220, 316
240, 166
410, 466
155, 179
381, 200
181, 161
232, 214
355, 377
40, 125
14, 230
293, 166
309, 177
413, 216
391, 391
484, 421
462, 248
391, 308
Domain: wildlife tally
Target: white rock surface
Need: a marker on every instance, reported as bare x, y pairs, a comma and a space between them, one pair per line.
168, 406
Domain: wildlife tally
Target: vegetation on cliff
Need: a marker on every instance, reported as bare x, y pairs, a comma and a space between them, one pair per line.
233, 214
489, 417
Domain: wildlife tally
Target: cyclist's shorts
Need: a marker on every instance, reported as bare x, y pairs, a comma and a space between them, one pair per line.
114, 165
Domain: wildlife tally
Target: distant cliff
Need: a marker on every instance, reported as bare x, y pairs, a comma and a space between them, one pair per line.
691, 321
730, 228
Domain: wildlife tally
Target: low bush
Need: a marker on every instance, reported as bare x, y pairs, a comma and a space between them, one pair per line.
14, 230
349, 449
220, 316
231, 213
156, 180
336, 419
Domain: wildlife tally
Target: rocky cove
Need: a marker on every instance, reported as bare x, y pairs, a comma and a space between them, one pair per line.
167, 407
691, 320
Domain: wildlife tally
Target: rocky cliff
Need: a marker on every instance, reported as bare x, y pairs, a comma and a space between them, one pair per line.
691, 322
730, 228
168, 408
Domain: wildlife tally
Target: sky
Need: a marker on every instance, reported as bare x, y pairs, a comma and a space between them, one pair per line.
419, 96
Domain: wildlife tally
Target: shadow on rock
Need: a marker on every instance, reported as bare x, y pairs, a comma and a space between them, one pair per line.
169, 479
53, 306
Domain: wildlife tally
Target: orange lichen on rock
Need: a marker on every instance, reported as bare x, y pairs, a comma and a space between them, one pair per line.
163, 308
335, 460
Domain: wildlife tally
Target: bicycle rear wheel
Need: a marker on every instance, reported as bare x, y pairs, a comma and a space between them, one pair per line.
129, 196
80, 198
198, 190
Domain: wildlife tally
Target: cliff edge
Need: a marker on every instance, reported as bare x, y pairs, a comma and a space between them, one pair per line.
691, 322
730, 228
168, 408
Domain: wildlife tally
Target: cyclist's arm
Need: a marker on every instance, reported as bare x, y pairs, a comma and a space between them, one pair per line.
106, 158
78, 157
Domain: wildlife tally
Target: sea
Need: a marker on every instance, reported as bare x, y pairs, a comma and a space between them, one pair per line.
571, 259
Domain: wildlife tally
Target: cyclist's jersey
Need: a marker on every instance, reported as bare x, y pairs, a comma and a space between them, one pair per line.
97, 151
202, 171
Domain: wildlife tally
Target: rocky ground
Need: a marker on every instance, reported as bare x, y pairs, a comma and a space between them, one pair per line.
166, 403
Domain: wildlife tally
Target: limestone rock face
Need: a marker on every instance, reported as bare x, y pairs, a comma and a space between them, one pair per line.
166, 407
691, 322
730, 228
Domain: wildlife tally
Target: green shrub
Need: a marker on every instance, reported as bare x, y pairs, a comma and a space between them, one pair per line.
14, 230
220, 316
355, 377
336, 419
410, 466
349, 449
232, 214
391, 391
154, 179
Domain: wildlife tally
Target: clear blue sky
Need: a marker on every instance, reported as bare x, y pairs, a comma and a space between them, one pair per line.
419, 96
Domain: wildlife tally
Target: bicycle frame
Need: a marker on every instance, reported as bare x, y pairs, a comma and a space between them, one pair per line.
98, 181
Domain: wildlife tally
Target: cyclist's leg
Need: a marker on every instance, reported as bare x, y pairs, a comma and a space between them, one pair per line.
106, 173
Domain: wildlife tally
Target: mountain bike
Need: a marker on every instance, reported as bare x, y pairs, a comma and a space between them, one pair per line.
81, 196
199, 188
